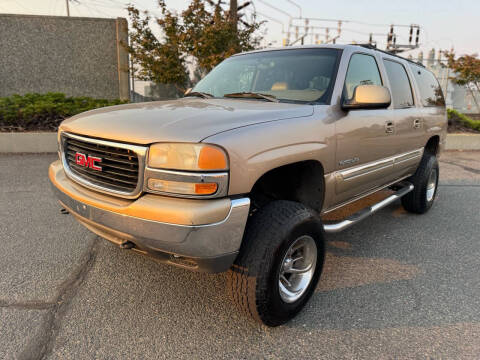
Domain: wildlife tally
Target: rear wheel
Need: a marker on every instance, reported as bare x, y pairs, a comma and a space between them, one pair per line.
279, 264
425, 181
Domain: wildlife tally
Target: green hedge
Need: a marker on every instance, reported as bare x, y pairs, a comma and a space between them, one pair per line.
34, 112
462, 119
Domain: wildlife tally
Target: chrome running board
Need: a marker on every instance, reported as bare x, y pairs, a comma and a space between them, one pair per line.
366, 212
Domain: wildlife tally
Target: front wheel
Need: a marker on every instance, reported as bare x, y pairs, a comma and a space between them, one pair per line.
425, 182
279, 264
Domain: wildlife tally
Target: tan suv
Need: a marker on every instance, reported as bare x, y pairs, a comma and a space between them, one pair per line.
236, 176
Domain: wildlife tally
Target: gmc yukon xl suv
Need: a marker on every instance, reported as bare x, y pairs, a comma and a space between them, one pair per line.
237, 175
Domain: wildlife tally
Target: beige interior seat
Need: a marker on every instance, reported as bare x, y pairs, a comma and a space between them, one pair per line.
279, 86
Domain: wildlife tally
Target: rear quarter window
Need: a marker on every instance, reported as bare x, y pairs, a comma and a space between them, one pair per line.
430, 90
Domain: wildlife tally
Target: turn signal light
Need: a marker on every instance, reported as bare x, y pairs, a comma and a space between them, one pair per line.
185, 188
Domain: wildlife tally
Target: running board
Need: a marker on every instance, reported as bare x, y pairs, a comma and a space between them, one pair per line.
366, 212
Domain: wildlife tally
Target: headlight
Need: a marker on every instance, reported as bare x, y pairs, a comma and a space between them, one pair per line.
193, 157
187, 170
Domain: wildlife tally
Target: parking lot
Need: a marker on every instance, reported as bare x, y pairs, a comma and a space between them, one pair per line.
395, 286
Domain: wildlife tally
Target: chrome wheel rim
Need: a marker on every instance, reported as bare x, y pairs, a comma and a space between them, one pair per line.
431, 185
297, 268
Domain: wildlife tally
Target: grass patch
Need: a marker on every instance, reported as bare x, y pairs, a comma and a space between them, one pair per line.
456, 118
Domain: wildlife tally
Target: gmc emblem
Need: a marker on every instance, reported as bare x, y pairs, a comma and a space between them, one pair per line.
88, 161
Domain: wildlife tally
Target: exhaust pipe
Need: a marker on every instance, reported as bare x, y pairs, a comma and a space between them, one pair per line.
127, 245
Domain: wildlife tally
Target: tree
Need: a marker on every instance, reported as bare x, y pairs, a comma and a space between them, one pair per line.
160, 61
204, 33
467, 71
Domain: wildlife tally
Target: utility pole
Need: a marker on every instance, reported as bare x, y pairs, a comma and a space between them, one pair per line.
68, 7
233, 13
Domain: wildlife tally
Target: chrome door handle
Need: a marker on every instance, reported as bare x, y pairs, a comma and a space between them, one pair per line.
417, 124
389, 127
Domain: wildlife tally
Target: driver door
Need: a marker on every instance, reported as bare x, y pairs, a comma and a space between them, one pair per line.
364, 137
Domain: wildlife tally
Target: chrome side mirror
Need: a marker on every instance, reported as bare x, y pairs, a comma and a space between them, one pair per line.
368, 97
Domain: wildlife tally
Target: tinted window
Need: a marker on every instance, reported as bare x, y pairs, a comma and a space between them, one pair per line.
362, 70
290, 75
430, 90
400, 85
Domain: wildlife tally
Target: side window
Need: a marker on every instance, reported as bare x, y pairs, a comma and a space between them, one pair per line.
430, 90
362, 70
402, 96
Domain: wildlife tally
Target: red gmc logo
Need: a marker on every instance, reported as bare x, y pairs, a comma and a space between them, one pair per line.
88, 161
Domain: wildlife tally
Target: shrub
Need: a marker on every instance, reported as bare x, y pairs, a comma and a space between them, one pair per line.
44, 111
456, 117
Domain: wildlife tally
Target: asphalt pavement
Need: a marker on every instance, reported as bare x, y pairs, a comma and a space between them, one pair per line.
396, 286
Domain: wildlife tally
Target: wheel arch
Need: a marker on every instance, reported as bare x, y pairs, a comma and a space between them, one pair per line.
301, 181
433, 145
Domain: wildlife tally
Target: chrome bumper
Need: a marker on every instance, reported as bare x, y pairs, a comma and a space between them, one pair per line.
210, 247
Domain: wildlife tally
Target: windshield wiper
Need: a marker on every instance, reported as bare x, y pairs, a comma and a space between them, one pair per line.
252, 95
200, 94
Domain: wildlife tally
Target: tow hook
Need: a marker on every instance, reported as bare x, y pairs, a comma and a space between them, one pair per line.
64, 211
127, 245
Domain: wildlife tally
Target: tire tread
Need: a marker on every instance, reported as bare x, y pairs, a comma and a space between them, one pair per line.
246, 279
415, 201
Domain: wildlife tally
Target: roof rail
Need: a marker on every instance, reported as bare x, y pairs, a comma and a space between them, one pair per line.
369, 46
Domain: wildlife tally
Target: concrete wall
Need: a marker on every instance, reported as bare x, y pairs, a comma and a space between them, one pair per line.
75, 56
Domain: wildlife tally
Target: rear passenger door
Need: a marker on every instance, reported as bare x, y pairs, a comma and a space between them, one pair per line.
432, 103
407, 118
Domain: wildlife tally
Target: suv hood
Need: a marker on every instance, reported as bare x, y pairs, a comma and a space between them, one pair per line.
181, 120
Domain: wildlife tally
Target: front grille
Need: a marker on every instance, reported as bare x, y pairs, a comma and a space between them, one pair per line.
120, 165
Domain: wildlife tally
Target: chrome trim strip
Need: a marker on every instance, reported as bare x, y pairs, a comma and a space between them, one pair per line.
408, 156
364, 169
366, 212
141, 152
220, 178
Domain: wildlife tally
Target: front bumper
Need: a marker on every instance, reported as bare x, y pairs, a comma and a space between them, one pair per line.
202, 235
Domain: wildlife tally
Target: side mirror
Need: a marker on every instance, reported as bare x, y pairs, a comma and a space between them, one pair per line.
368, 97
188, 91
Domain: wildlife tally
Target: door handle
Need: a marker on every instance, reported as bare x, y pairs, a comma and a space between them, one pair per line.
417, 124
389, 127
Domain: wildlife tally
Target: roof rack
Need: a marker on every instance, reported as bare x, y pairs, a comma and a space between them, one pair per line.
369, 46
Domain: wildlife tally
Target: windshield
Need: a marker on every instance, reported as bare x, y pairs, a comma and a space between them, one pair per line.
300, 75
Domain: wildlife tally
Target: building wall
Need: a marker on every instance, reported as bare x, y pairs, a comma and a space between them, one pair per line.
72, 55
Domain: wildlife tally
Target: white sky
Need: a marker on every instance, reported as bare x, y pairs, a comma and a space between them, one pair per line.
445, 23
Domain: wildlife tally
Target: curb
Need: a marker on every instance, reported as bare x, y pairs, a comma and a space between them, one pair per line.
463, 142
46, 142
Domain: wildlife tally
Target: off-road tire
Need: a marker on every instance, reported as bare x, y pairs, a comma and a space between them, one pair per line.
416, 201
253, 279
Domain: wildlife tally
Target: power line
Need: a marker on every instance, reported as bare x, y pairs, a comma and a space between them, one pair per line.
296, 5
275, 8
350, 21
272, 19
